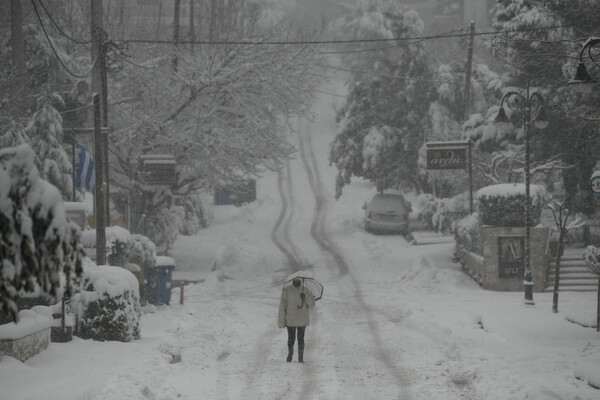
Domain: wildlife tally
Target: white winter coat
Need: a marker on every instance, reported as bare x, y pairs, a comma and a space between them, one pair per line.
289, 313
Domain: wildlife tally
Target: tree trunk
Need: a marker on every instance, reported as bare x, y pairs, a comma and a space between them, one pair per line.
598, 308
561, 239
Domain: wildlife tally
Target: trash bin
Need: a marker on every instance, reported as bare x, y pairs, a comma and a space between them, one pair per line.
159, 281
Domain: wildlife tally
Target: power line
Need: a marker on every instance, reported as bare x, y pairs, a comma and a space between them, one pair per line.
337, 41
59, 29
54, 50
414, 78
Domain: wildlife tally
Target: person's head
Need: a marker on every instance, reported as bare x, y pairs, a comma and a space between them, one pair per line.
296, 282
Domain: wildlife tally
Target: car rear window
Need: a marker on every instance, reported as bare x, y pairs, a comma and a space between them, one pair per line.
387, 204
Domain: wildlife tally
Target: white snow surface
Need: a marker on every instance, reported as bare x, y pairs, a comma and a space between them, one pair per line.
402, 322
510, 189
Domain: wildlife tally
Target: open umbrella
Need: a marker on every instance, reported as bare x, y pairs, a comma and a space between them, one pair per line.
308, 281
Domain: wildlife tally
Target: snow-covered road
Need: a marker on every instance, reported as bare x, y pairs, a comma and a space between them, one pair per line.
397, 321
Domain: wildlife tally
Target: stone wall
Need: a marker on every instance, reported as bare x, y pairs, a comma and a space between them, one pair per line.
495, 274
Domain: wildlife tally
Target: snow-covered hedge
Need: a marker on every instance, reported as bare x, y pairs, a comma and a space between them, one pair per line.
107, 306
504, 204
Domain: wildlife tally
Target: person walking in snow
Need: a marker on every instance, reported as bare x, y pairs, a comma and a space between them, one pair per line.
296, 300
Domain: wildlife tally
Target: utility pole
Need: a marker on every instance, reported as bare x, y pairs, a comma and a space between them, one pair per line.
97, 89
176, 32
192, 28
468, 70
159, 20
468, 107
18, 54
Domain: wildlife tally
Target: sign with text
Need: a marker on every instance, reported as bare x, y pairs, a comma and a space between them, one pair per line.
158, 169
510, 256
446, 157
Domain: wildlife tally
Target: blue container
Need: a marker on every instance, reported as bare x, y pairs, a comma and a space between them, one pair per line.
159, 281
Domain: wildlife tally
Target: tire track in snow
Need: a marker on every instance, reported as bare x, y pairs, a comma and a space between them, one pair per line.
319, 235
276, 237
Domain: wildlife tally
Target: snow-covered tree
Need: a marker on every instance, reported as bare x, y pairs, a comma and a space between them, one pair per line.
46, 137
37, 241
539, 52
223, 113
388, 99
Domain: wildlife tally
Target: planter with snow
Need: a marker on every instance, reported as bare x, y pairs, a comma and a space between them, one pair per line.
29, 336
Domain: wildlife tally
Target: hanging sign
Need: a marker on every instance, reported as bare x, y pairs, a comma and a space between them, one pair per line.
447, 155
158, 169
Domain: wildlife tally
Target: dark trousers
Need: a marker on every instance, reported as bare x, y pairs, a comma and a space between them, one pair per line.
292, 336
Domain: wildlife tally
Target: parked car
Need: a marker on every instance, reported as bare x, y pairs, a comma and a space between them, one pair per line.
387, 213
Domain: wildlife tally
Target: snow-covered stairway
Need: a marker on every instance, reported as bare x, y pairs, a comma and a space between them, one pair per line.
574, 274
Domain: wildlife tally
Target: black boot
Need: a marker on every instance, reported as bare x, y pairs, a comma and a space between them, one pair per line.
300, 354
290, 353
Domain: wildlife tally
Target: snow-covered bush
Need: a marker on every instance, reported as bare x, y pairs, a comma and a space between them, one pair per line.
427, 205
142, 251
163, 229
441, 215
504, 204
121, 246
468, 234
107, 306
118, 244
591, 255
190, 224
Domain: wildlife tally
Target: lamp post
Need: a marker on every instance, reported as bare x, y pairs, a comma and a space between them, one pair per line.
582, 81
526, 102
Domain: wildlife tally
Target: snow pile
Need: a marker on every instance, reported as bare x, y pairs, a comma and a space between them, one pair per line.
589, 372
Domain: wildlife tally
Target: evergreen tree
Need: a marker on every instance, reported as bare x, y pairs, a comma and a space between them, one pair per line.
37, 241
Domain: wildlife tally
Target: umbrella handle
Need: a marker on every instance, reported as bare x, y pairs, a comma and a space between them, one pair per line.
302, 305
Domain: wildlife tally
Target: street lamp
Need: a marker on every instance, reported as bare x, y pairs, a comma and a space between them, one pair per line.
582, 81
541, 122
